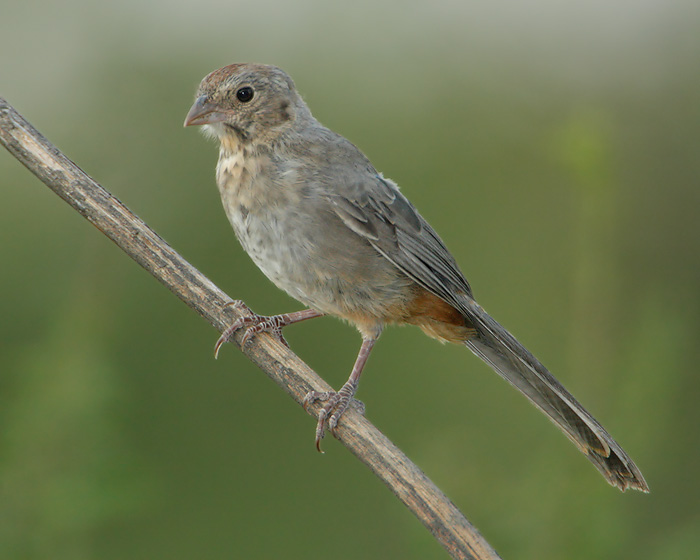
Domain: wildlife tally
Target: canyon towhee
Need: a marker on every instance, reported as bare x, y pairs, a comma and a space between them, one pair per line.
327, 228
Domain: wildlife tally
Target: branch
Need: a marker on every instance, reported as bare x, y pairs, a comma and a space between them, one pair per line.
447, 524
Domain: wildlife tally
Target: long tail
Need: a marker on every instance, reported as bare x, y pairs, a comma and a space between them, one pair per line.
498, 348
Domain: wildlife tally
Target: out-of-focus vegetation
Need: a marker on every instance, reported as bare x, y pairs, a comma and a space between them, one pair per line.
556, 148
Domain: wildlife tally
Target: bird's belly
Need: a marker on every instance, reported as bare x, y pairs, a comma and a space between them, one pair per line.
283, 254
315, 271
270, 248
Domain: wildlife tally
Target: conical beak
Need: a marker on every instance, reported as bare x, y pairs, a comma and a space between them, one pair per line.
204, 112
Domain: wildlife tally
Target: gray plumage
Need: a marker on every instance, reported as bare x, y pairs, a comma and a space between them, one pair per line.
326, 227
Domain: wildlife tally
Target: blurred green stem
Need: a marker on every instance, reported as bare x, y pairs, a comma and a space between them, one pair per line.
586, 152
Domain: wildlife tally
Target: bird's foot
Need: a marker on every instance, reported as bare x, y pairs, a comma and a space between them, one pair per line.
336, 405
254, 324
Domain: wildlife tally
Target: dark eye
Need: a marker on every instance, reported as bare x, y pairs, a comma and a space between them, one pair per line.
244, 94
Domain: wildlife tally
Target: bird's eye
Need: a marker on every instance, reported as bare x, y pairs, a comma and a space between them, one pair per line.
244, 94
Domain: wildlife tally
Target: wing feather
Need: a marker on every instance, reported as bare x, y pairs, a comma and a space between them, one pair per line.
390, 223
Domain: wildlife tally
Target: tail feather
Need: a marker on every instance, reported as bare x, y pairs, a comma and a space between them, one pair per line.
498, 348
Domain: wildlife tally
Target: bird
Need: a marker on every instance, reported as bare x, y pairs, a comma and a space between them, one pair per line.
331, 231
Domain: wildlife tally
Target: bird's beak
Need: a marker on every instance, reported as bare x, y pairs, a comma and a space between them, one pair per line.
204, 112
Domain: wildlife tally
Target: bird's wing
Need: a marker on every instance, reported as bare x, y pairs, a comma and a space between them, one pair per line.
379, 212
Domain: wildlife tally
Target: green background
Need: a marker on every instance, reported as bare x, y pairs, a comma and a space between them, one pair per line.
556, 149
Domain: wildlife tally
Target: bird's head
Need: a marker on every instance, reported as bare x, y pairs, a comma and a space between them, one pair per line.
247, 103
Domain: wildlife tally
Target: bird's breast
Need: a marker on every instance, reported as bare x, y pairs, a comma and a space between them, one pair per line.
261, 211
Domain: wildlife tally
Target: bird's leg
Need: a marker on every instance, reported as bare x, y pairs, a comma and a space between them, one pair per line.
337, 403
254, 324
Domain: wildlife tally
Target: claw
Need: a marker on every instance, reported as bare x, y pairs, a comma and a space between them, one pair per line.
320, 430
227, 334
330, 413
238, 304
255, 324
310, 398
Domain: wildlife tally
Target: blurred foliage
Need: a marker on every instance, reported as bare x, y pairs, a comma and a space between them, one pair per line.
557, 157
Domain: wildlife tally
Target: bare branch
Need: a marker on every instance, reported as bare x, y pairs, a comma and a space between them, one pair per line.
141, 243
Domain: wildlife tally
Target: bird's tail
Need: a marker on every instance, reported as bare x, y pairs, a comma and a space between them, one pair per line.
498, 348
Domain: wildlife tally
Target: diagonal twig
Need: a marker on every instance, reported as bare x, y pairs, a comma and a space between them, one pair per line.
447, 524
